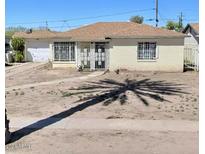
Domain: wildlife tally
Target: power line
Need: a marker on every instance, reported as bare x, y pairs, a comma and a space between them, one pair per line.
66, 25
174, 19
84, 18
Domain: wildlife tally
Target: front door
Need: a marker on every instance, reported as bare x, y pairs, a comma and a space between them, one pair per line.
99, 55
85, 55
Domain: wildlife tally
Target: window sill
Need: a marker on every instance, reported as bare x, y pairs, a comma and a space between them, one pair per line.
147, 60
64, 62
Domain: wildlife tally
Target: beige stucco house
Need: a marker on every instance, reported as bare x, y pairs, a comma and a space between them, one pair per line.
108, 45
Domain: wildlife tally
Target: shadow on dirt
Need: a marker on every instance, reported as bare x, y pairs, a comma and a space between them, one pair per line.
109, 91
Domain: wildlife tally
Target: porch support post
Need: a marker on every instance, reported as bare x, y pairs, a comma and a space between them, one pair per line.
52, 50
107, 47
78, 50
76, 54
92, 56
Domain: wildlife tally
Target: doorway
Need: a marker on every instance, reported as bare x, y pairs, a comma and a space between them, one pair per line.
100, 55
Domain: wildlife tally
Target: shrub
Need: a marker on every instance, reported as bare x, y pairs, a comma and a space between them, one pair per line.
17, 44
18, 56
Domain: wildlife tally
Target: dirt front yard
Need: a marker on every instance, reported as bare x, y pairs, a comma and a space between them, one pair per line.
35, 73
125, 96
132, 95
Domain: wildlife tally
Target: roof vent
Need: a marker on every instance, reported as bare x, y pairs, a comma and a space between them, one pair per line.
29, 31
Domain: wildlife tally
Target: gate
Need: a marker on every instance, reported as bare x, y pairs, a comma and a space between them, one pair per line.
191, 57
99, 55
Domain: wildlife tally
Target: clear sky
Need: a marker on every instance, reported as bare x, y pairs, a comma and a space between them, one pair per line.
27, 12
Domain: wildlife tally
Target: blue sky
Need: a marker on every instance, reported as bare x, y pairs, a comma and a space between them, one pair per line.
25, 12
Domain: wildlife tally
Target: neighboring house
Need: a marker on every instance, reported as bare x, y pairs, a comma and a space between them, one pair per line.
191, 46
108, 45
192, 30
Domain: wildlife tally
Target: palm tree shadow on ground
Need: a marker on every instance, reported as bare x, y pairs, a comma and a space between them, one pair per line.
110, 91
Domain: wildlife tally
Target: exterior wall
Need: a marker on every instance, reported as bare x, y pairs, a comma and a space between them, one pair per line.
43, 47
190, 40
123, 55
48, 45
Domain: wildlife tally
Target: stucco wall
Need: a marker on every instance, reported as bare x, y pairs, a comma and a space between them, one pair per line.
190, 40
42, 47
45, 44
123, 55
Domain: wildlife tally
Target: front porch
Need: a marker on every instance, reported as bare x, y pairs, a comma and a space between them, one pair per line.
86, 55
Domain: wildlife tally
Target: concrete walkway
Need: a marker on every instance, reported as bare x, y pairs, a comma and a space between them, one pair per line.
73, 79
105, 124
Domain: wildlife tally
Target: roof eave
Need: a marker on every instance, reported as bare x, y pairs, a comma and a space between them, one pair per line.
89, 40
138, 37
43, 37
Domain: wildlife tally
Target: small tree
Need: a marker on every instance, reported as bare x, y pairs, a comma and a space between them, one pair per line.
137, 19
18, 45
171, 25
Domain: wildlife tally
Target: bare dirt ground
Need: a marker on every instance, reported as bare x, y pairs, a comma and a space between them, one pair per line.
38, 74
154, 96
63, 141
127, 95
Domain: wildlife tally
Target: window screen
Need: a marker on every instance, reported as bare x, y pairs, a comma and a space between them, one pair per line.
146, 51
64, 51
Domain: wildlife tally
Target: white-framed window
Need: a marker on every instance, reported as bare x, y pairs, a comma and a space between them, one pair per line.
64, 51
147, 51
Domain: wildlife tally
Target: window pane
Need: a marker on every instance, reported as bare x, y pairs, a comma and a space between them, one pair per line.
146, 50
64, 51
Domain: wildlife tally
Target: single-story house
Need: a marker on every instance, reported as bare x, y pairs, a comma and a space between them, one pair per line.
108, 45
192, 30
191, 46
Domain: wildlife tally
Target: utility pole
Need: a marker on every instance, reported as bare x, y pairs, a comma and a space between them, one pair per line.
46, 25
181, 20
157, 19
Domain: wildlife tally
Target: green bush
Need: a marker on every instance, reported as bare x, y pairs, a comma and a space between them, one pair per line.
18, 56
18, 44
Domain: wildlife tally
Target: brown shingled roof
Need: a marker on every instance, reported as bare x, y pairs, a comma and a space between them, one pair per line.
195, 26
36, 34
102, 30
